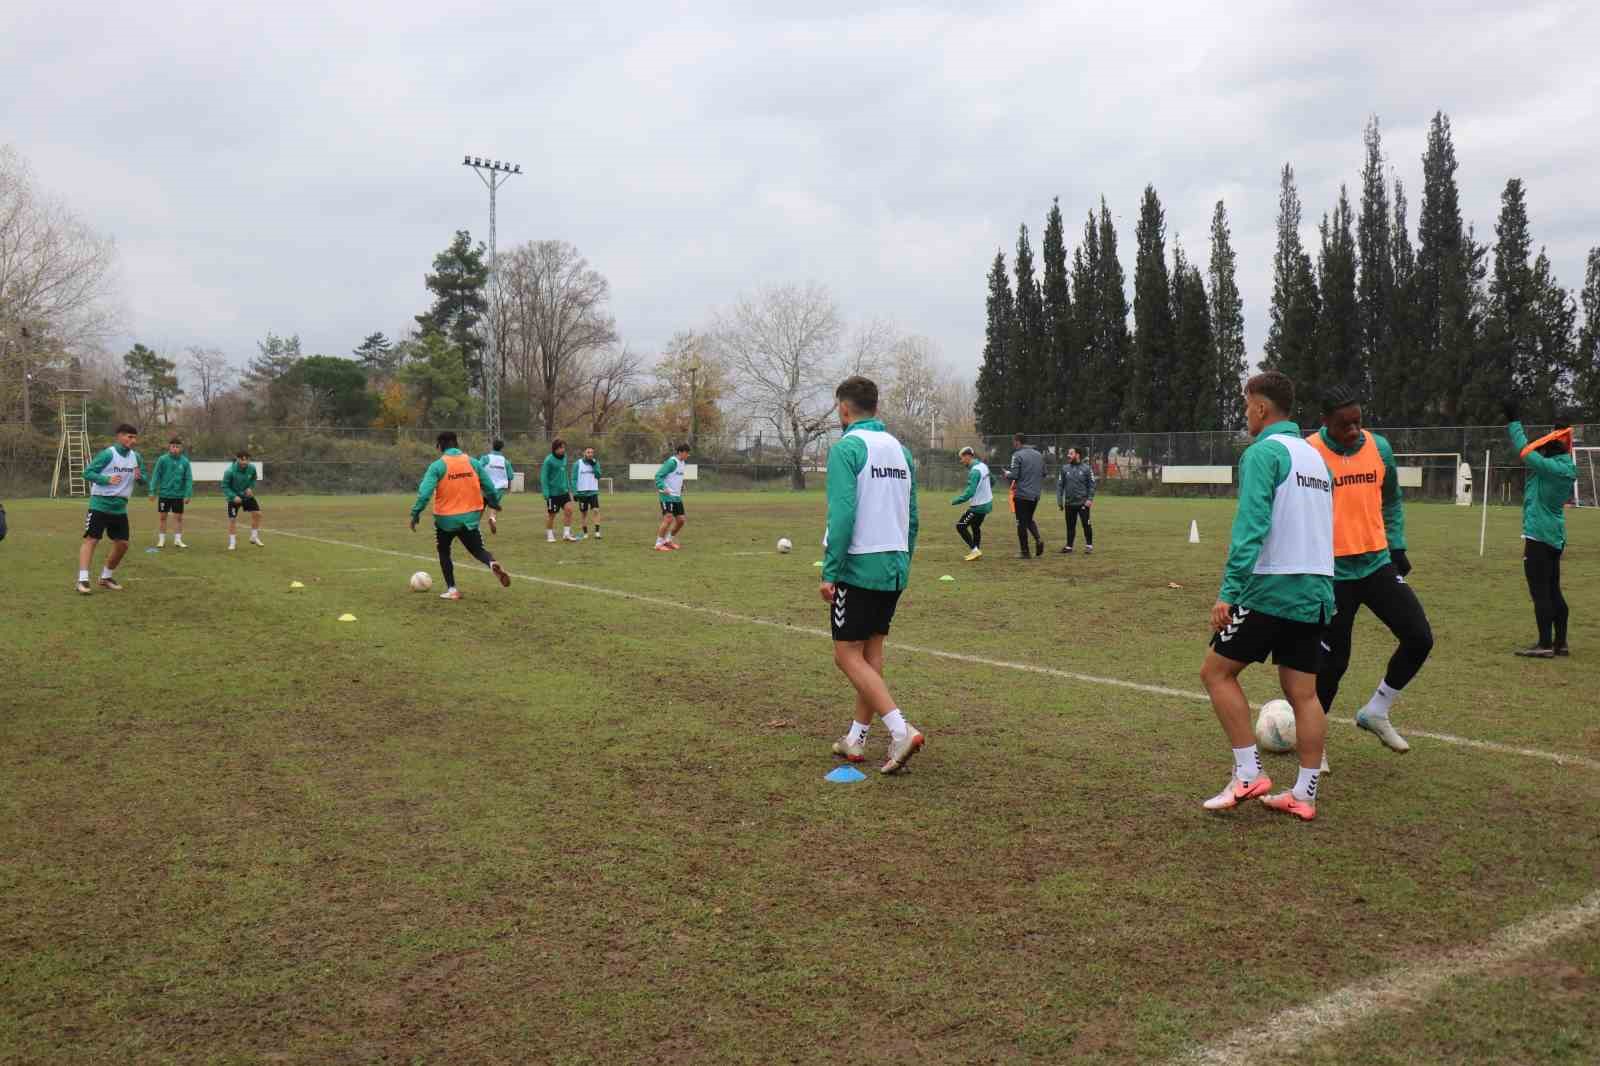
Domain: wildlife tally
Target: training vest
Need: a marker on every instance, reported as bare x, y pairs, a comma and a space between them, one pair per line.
127, 466
883, 496
458, 492
1301, 538
494, 464
587, 481
674, 478
1358, 496
984, 492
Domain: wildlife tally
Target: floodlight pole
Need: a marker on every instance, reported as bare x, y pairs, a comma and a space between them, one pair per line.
493, 174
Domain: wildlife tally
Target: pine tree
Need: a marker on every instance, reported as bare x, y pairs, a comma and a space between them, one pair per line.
1339, 358
990, 407
1147, 404
1587, 358
1028, 379
1291, 346
1195, 382
376, 355
1113, 319
1375, 266
1547, 377
1227, 326
1399, 386
1506, 354
1061, 352
1449, 267
459, 283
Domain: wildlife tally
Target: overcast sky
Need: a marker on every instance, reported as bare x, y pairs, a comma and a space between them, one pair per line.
294, 166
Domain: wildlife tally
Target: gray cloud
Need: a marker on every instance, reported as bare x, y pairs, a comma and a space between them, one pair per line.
295, 167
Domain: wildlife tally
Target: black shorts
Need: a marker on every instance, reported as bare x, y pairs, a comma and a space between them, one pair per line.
100, 524
553, 504
170, 505
1250, 636
246, 503
588, 501
858, 614
672, 507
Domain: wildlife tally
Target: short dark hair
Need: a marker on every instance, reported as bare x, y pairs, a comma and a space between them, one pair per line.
860, 393
1018, 439
499, 444
1337, 397
125, 427
557, 443
1273, 387
681, 448
447, 439
174, 440
967, 451
241, 454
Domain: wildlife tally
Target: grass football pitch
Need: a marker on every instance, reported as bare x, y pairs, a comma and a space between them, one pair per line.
583, 819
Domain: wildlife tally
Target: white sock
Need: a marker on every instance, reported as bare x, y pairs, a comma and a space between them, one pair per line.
105, 573
858, 732
83, 575
1378, 706
1305, 786
177, 538
1247, 763
896, 723
232, 540
566, 531
670, 536
161, 540
549, 534
255, 535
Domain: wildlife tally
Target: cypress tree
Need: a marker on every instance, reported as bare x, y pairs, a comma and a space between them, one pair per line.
1587, 358
1449, 266
990, 405
1227, 326
1086, 413
1546, 378
1112, 363
1507, 355
1291, 345
1062, 358
1195, 397
1146, 406
1375, 266
1339, 358
1028, 366
1400, 381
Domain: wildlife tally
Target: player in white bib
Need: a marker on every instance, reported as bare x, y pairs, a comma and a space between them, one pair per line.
498, 467
586, 491
1277, 596
111, 475
866, 561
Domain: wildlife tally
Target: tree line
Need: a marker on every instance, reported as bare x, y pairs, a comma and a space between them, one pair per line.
1433, 332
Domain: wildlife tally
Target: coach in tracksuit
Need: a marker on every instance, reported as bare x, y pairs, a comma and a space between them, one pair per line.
1026, 474
1075, 495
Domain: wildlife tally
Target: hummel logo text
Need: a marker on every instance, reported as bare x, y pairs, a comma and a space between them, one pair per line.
1312, 482
899, 472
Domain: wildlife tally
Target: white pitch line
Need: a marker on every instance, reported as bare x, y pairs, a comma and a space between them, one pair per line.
1401, 989
976, 660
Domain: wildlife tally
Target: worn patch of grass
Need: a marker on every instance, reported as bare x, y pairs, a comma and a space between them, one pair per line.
544, 824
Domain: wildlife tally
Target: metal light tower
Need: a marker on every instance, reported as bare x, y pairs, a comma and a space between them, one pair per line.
493, 174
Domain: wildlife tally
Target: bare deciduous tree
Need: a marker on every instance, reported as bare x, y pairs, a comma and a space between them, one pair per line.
212, 376
56, 277
910, 399
553, 308
783, 346
614, 382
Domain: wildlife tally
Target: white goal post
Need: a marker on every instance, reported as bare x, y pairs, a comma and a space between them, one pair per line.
1586, 493
1411, 475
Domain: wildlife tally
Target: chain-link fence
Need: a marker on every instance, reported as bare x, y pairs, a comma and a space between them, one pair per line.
344, 461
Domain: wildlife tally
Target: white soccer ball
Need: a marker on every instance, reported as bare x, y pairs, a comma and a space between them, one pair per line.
785, 545
1275, 726
421, 582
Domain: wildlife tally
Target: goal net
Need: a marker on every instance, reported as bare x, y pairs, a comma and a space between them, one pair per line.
1586, 493
1435, 475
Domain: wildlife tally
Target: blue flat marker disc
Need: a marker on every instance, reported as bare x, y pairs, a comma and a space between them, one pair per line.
844, 773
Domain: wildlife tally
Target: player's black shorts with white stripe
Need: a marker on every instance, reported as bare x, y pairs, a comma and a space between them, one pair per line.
858, 614
553, 504
170, 505
588, 501
672, 507
1250, 636
246, 503
99, 524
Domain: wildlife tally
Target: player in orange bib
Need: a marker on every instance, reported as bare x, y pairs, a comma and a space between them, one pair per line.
459, 489
1370, 563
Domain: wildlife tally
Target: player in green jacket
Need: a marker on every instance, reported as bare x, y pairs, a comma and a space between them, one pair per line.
1551, 474
238, 487
111, 475
1276, 597
669, 492
557, 489
981, 496
866, 561
172, 485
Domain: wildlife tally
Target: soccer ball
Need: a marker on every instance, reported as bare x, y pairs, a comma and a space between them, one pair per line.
1275, 726
421, 582
785, 545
